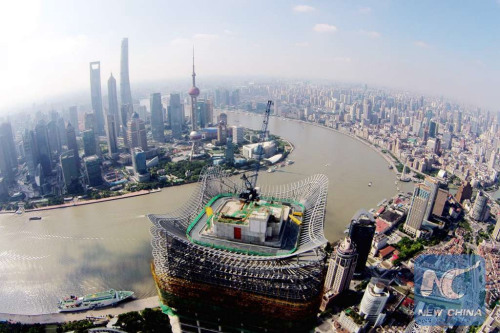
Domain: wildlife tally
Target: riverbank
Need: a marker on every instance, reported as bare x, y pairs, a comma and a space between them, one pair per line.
379, 151
53, 318
76, 202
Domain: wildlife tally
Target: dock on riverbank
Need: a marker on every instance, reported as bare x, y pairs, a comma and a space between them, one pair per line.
52, 318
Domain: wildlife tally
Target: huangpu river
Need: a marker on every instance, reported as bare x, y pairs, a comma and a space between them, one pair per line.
96, 247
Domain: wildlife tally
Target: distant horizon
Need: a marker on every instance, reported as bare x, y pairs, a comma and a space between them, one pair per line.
81, 97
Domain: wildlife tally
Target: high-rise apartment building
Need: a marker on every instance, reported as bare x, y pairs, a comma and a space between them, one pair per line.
125, 92
96, 96
361, 232
157, 118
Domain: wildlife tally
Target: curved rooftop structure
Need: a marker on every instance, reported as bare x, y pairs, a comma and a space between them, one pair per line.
283, 280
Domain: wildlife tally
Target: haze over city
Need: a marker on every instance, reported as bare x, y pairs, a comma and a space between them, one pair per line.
425, 46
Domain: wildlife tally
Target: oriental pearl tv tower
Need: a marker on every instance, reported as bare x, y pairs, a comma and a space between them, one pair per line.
194, 136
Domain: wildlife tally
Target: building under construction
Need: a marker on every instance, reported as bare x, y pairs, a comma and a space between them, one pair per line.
261, 258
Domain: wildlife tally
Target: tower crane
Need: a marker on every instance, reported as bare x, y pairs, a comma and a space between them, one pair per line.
250, 193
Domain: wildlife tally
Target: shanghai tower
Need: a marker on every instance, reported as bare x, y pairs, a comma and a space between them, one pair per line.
96, 96
125, 94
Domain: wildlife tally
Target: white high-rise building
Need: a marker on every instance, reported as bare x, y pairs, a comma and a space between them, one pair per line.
238, 134
373, 302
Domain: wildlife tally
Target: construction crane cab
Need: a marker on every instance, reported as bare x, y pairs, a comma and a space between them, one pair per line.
251, 191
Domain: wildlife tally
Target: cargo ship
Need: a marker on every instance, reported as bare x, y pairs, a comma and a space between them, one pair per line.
93, 301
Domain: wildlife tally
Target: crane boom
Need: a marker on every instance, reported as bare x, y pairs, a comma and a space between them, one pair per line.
250, 182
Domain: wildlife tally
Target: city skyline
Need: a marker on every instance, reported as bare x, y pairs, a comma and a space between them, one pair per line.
424, 47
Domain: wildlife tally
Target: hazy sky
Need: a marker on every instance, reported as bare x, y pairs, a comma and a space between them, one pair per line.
445, 47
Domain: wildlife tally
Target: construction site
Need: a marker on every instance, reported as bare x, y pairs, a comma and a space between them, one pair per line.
243, 255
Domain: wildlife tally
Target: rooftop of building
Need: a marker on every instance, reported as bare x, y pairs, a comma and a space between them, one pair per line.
228, 209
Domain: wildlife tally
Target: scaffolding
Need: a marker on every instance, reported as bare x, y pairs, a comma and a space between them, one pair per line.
288, 284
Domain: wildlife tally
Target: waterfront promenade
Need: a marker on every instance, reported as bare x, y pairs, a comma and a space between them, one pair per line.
51, 318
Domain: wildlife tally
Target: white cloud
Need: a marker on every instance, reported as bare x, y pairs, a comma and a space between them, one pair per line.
421, 44
207, 37
302, 44
365, 10
371, 34
229, 32
180, 42
303, 9
324, 27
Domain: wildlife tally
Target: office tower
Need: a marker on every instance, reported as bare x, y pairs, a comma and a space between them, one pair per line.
111, 135
126, 112
157, 119
235, 97
125, 93
493, 159
229, 153
89, 143
480, 210
30, 152
89, 121
72, 144
464, 192
136, 133
440, 203
432, 129
202, 113
96, 96
73, 119
61, 131
139, 164
175, 115
8, 145
53, 135
92, 170
113, 108
5, 164
341, 268
418, 206
433, 185
194, 92
221, 133
361, 232
69, 169
373, 302
222, 118
238, 134
44, 152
